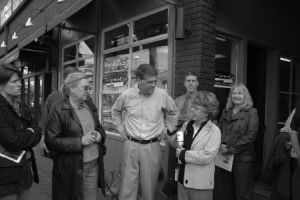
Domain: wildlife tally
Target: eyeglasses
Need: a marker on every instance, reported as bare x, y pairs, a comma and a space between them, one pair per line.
87, 88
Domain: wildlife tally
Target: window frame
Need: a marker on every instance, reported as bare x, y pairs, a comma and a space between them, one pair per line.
169, 37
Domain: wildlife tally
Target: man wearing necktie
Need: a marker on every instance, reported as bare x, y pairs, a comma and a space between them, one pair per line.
183, 102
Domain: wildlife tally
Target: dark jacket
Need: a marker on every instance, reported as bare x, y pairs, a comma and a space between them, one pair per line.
54, 97
15, 137
277, 171
63, 136
239, 132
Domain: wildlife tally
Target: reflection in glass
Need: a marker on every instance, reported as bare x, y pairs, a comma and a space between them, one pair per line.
296, 75
108, 101
86, 48
70, 53
26, 88
225, 61
117, 37
31, 94
150, 26
153, 54
285, 70
115, 74
87, 66
284, 107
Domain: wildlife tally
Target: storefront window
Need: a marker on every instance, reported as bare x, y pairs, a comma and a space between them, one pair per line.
289, 86
225, 67
81, 55
123, 53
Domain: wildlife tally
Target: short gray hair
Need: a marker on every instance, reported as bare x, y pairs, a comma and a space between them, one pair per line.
209, 101
72, 81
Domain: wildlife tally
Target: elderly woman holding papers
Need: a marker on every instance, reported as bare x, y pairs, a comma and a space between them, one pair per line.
239, 125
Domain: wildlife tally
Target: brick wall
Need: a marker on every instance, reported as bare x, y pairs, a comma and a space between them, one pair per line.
196, 51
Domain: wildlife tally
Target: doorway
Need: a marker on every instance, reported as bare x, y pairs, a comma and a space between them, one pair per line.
256, 83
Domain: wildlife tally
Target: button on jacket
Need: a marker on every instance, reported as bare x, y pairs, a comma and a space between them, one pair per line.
200, 159
239, 132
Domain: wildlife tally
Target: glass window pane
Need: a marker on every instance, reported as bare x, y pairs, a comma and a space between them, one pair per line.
151, 26
71, 65
284, 107
26, 89
88, 67
86, 49
31, 95
115, 73
70, 53
296, 75
225, 61
156, 54
108, 101
285, 70
117, 37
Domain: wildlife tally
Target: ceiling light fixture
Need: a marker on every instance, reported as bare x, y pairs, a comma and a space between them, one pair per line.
221, 39
285, 59
59, 1
14, 36
28, 22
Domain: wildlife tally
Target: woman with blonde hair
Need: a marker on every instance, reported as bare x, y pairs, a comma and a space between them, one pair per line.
239, 126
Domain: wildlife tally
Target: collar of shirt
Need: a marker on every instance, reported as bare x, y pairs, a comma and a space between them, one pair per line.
138, 91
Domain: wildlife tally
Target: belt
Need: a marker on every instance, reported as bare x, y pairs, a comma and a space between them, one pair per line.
142, 141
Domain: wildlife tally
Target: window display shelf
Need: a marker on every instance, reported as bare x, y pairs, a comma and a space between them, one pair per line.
222, 86
116, 71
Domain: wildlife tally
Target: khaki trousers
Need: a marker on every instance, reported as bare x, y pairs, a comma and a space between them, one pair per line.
141, 165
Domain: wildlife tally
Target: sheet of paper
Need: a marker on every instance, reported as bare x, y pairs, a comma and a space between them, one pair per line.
224, 161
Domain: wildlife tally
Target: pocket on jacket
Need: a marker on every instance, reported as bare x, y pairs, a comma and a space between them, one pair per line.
10, 175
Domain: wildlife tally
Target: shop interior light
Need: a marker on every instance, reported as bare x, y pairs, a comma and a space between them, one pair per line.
285, 59
220, 39
219, 56
28, 22
14, 36
59, 1
3, 44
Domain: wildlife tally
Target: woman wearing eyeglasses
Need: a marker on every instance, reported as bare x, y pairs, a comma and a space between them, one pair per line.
77, 139
197, 155
18, 135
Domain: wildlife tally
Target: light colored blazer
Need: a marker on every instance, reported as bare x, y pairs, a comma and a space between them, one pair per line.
200, 159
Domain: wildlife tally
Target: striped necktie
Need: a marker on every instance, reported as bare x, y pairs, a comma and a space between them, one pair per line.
185, 105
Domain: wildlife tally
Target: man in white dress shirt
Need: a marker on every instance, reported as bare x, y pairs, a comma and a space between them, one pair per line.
147, 108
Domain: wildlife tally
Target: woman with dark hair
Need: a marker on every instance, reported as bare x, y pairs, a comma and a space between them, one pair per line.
75, 136
202, 139
239, 125
18, 133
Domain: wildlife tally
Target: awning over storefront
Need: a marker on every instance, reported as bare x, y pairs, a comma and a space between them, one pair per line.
11, 56
67, 13
43, 19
